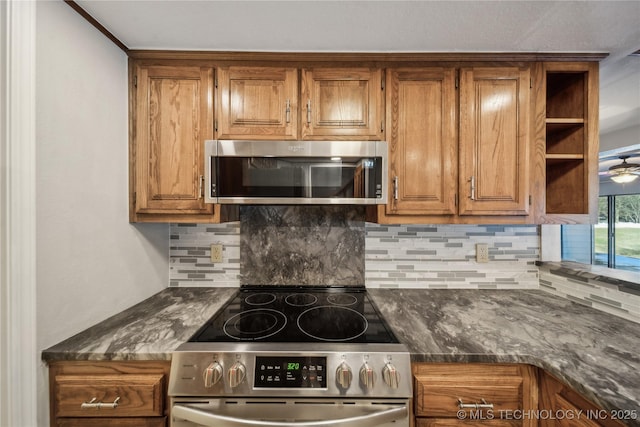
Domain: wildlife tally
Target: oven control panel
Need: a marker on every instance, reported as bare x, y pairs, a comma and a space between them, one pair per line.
253, 370
290, 372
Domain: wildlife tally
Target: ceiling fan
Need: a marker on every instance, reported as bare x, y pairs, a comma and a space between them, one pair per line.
624, 172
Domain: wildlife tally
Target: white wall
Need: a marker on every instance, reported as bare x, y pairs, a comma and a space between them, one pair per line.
91, 263
617, 142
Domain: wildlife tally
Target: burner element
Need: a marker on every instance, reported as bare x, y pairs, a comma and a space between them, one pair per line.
255, 324
301, 300
297, 315
332, 323
342, 299
261, 298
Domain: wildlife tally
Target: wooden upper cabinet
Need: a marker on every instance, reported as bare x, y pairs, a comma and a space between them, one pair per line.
422, 141
257, 103
514, 141
173, 117
568, 145
342, 103
494, 141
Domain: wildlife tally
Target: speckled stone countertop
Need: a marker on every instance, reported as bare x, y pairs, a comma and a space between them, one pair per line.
594, 352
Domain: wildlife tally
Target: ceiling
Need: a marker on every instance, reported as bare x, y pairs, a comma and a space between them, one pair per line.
396, 26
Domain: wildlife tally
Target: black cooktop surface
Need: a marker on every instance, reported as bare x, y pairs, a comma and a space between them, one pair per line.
295, 314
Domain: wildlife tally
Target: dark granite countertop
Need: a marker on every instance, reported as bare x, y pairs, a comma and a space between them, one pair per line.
596, 353
150, 330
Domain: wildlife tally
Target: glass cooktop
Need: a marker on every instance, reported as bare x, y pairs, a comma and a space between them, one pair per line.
288, 314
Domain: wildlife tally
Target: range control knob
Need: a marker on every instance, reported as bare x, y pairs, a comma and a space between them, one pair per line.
212, 374
343, 376
367, 377
236, 374
391, 376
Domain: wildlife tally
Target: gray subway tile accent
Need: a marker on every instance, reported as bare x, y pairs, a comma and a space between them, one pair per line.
604, 300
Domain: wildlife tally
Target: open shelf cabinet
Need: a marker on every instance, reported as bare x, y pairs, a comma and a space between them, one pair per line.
570, 138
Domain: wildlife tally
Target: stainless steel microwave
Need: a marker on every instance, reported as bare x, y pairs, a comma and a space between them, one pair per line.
296, 172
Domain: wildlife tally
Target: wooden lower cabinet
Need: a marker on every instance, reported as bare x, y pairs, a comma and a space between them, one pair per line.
446, 395
444, 422
123, 394
472, 394
112, 422
570, 409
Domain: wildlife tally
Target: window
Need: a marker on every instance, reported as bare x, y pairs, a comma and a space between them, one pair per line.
614, 241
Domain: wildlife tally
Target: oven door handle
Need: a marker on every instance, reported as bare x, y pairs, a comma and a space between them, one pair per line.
210, 419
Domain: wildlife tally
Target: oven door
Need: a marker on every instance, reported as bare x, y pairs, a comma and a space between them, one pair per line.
289, 413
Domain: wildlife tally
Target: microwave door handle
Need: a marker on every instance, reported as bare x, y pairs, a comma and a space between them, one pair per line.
210, 173
209, 419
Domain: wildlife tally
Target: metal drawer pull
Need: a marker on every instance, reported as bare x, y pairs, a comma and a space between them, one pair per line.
92, 404
483, 405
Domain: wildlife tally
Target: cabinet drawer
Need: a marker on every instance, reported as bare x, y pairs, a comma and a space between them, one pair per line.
440, 390
448, 422
113, 422
136, 395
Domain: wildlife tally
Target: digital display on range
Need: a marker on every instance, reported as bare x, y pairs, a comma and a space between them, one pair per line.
290, 372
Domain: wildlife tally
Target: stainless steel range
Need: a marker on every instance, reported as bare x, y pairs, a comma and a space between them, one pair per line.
292, 357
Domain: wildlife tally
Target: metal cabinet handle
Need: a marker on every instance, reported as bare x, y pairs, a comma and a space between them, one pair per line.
308, 111
395, 187
201, 186
483, 405
92, 404
473, 188
287, 111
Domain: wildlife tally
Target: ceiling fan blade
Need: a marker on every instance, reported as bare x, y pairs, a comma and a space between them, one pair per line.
629, 157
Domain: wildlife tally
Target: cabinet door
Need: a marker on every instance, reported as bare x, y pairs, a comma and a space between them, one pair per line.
473, 394
257, 103
450, 422
123, 395
422, 140
494, 141
138, 387
558, 398
174, 115
112, 422
342, 103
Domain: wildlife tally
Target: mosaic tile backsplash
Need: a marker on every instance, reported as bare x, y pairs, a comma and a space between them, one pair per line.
336, 246
443, 256
602, 296
190, 255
